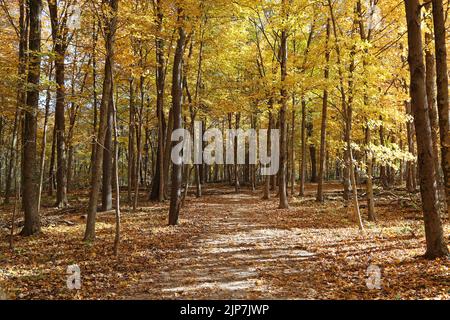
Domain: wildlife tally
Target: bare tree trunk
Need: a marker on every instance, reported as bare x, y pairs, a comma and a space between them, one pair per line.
293, 147
323, 134
94, 89
17, 189
303, 146
369, 156
436, 246
110, 31
167, 151
198, 181
107, 204
410, 171
21, 95
59, 35
312, 155
348, 108
116, 181
138, 147
370, 197
157, 192
30, 172
430, 80
44, 141
13, 155
269, 146
252, 167
442, 92
177, 96
383, 169
348, 115
131, 145
283, 125
51, 171
237, 184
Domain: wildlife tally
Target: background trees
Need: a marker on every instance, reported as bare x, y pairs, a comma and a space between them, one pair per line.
332, 76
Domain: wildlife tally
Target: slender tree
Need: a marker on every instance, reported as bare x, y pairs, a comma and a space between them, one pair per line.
157, 192
177, 100
21, 95
110, 26
61, 39
283, 125
323, 135
442, 91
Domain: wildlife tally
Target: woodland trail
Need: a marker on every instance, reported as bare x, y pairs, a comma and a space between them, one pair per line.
229, 260
249, 249
230, 246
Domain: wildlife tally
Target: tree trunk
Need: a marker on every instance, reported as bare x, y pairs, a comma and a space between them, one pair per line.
383, 169
323, 134
44, 141
13, 155
410, 166
177, 97
312, 153
166, 155
116, 180
51, 171
436, 246
137, 173
442, 92
349, 177
269, 146
430, 80
369, 156
293, 147
30, 178
21, 96
157, 192
107, 204
94, 90
369, 189
110, 31
237, 184
283, 125
303, 150
59, 34
131, 145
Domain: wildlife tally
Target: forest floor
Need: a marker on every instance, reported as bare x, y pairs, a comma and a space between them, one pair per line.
227, 246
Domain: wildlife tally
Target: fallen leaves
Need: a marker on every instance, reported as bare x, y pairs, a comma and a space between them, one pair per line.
227, 246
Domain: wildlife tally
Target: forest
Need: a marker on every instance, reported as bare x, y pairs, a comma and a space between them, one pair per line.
224, 149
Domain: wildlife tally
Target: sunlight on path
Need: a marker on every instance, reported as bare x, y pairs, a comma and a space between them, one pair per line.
228, 261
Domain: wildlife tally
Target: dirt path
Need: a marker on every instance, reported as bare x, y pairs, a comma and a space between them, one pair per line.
231, 258
249, 249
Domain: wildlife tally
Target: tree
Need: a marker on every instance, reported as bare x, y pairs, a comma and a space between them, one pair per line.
30, 172
61, 39
157, 192
177, 100
442, 91
110, 28
21, 95
283, 125
323, 135
107, 178
436, 246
